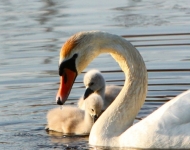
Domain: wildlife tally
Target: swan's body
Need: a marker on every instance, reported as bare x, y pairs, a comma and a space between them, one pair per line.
95, 83
72, 120
168, 127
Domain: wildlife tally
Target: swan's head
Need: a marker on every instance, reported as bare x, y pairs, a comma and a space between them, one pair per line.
94, 105
77, 52
94, 82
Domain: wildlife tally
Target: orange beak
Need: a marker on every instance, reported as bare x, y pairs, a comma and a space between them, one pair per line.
66, 83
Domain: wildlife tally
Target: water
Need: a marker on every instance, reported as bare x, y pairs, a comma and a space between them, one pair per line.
32, 33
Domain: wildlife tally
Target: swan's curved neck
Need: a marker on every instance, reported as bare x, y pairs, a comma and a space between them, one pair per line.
129, 101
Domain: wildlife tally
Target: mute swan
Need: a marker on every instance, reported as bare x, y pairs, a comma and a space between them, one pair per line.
168, 127
72, 120
95, 83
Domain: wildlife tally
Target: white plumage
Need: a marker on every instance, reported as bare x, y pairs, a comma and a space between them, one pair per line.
94, 80
167, 127
72, 120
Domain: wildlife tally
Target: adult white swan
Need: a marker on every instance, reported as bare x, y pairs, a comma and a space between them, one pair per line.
168, 127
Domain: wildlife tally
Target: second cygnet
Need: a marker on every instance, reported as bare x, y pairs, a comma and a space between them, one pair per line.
72, 120
95, 83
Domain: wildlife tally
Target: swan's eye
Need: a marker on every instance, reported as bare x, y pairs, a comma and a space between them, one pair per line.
75, 56
92, 83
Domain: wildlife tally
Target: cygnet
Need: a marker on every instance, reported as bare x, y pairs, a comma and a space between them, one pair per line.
95, 83
72, 120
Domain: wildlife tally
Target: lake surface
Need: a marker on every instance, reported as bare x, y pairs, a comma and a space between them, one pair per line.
32, 33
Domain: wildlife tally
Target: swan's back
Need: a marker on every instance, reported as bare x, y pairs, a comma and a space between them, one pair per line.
167, 127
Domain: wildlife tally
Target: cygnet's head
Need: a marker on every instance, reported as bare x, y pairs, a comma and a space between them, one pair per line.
94, 82
94, 105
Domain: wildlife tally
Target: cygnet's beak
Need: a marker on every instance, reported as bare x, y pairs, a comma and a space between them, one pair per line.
95, 117
87, 93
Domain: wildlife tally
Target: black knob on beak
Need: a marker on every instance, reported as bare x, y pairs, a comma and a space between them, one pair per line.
59, 102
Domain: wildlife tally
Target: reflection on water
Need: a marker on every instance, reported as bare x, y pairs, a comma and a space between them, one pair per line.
32, 33
144, 13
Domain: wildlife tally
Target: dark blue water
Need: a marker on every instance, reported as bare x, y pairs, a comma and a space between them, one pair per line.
32, 33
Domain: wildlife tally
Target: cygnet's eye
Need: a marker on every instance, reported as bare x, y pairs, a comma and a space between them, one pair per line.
92, 83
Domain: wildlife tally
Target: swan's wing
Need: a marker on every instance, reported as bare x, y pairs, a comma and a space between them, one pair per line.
178, 112
168, 126
173, 113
